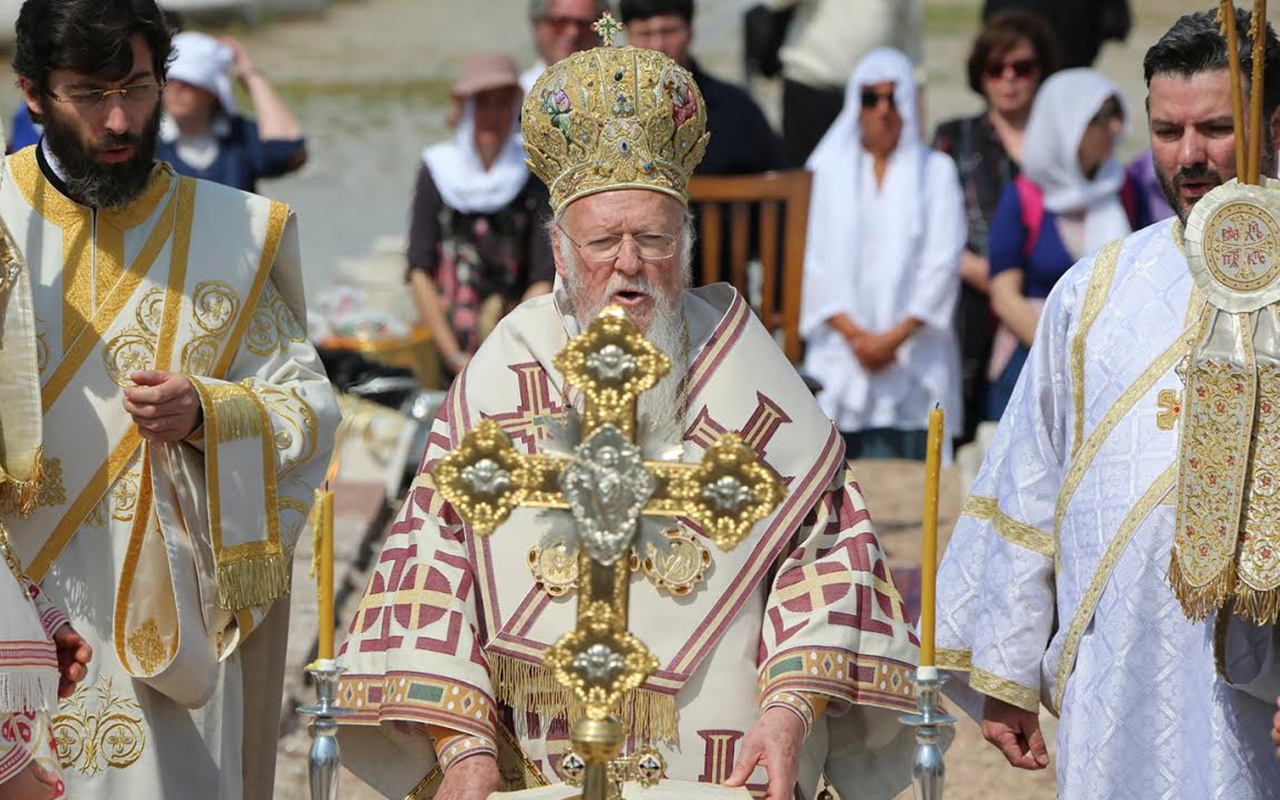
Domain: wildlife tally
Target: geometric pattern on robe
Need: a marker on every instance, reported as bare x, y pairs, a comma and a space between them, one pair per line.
25, 731
1054, 588
452, 626
205, 280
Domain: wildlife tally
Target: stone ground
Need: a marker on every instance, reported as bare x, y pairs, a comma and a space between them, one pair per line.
369, 80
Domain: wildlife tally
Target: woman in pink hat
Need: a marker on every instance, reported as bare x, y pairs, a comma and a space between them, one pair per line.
476, 242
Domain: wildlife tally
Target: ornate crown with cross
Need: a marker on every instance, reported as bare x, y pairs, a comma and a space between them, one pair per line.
614, 118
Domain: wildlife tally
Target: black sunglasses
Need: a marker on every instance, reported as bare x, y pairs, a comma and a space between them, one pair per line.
871, 99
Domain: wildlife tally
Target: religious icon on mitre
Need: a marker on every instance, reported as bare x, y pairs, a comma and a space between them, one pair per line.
1226, 553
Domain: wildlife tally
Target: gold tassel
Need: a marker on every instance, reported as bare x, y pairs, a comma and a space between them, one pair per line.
21, 497
236, 412
532, 687
1199, 602
1258, 607
253, 582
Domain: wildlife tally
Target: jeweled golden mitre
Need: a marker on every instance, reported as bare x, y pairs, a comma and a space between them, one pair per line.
614, 118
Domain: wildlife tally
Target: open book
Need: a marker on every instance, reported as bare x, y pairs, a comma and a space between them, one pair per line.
665, 790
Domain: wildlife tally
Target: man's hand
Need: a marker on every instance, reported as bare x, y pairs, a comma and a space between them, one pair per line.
1016, 733
33, 783
74, 655
774, 743
1275, 730
473, 778
164, 405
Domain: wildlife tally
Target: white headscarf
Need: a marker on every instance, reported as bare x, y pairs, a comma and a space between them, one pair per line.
1065, 104
836, 165
203, 61
459, 173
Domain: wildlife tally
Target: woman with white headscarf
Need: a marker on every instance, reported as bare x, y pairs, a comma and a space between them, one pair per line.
1071, 199
477, 246
202, 134
881, 274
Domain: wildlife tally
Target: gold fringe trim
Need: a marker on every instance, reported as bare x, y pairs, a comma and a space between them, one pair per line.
237, 414
1199, 602
1011, 692
20, 497
253, 582
1257, 606
647, 714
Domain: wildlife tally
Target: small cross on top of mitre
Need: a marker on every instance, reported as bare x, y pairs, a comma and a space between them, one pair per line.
608, 28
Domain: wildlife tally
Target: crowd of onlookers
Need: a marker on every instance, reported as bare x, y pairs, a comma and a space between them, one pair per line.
927, 265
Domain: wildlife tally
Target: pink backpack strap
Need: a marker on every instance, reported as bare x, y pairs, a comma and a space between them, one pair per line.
1032, 201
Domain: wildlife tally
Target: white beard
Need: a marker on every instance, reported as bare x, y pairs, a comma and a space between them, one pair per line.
660, 410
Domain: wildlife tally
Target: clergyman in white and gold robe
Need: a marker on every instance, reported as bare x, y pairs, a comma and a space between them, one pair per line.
1054, 589
174, 559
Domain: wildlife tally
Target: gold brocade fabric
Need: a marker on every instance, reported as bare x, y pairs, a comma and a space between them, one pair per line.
614, 118
1227, 542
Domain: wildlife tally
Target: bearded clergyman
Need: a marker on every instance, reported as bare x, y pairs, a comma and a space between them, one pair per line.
180, 424
781, 660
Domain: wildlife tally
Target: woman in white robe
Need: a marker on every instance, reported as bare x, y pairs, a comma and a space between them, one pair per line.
882, 269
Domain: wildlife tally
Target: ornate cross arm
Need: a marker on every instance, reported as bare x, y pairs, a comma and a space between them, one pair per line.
486, 478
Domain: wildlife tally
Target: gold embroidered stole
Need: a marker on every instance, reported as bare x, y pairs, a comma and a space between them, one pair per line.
1227, 539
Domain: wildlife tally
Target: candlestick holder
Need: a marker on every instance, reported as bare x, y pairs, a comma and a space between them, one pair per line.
928, 769
324, 764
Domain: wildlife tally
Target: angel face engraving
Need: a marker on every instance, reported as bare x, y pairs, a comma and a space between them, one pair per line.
487, 477
728, 495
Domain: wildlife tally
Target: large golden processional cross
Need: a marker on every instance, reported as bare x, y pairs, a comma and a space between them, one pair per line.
607, 487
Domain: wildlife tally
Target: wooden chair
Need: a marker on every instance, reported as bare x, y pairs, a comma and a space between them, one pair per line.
782, 199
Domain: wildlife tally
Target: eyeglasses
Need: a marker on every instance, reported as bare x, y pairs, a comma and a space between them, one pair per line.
606, 249
871, 99
563, 25
138, 95
1022, 68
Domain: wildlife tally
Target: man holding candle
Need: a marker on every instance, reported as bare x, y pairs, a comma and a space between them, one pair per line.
1072, 579
780, 660
180, 424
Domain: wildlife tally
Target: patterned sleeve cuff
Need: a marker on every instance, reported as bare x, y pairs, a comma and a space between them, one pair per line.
452, 749
800, 703
51, 617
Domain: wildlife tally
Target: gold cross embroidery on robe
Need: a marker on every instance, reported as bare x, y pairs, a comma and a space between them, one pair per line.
1170, 402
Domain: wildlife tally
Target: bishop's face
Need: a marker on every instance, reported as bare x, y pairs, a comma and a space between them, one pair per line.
102, 130
624, 248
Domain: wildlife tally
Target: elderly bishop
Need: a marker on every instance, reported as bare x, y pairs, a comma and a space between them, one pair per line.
780, 661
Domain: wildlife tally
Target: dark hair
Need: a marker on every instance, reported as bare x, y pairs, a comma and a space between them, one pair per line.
644, 9
1002, 33
1195, 44
89, 36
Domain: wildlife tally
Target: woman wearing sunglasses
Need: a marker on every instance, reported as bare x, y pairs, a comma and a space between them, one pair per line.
1072, 198
881, 267
1010, 58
